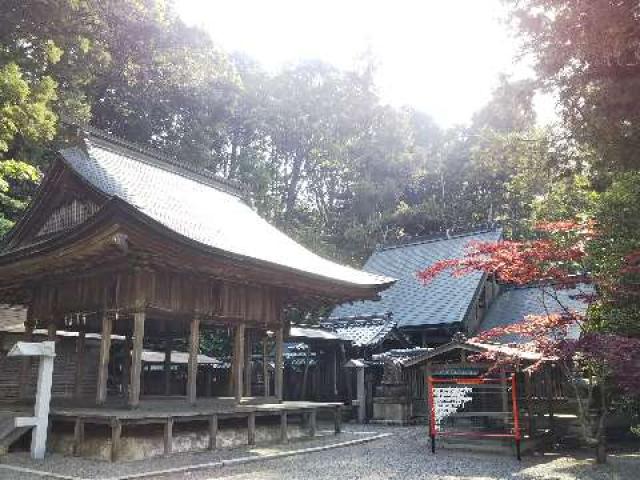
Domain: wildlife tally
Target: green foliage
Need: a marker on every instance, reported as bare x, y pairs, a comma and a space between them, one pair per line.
589, 52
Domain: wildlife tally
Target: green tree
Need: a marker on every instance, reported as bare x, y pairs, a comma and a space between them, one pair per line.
589, 52
25, 119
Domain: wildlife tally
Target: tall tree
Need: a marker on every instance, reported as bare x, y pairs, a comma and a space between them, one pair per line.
589, 52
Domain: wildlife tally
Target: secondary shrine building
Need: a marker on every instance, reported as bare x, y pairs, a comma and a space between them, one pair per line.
146, 252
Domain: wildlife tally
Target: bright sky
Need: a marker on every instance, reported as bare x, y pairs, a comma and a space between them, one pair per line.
439, 56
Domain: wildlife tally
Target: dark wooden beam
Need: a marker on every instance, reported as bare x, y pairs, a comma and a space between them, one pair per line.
136, 358
213, 432
103, 363
279, 363
168, 345
168, 436
251, 428
192, 370
238, 361
247, 362
79, 374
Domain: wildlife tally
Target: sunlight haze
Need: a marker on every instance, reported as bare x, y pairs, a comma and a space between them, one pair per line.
443, 58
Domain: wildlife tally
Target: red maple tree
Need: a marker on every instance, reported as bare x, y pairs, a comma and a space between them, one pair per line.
557, 259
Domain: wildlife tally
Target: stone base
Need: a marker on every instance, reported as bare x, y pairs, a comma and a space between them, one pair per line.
140, 442
392, 411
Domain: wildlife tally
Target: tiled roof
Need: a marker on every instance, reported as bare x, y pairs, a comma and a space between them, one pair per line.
445, 300
198, 207
361, 331
311, 333
401, 355
12, 318
514, 304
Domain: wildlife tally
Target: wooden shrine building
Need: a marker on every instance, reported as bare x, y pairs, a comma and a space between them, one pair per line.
123, 242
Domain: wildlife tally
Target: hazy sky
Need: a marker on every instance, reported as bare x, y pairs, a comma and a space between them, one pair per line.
440, 56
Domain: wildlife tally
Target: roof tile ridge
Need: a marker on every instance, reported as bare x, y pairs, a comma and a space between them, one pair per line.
161, 159
441, 237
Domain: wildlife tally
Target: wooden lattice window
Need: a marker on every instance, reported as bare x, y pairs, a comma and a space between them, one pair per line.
67, 216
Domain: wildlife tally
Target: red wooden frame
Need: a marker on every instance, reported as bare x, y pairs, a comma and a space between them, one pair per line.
433, 432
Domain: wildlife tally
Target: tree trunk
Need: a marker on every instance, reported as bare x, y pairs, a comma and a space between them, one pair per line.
292, 189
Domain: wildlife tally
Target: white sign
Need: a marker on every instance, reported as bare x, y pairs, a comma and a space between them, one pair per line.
449, 400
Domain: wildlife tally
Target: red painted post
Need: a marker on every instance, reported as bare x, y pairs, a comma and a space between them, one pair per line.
432, 414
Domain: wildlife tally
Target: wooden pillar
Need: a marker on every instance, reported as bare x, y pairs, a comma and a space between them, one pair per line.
284, 437
312, 422
362, 396
265, 365
103, 363
78, 435
167, 366
52, 330
279, 364
238, 361
192, 372
548, 380
305, 374
126, 364
247, 363
80, 348
334, 372
168, 436
213, 432
504, 393
116, 435
251, 428
337, 419
530, 416
136, 358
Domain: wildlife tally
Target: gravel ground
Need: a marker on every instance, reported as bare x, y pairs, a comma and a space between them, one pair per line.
404, 455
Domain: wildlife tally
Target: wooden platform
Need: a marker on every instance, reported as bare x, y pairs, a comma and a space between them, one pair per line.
168, 411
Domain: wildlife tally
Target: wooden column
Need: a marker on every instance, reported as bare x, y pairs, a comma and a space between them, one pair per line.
136, 358
504, 392
80, 347
529, 405
52, 329
312, 422
334, 372
362, 395
279, 364
548, 380
167, 366
284, 437
337, 420
168, 436
103, 363
251, 428
213, 432
265, 365
78, 435
126, 364
247, 363
238, 361
192, 371
116, 435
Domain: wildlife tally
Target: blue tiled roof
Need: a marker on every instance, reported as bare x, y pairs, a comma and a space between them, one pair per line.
445, 300
361, 331
514, 304
198, 207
